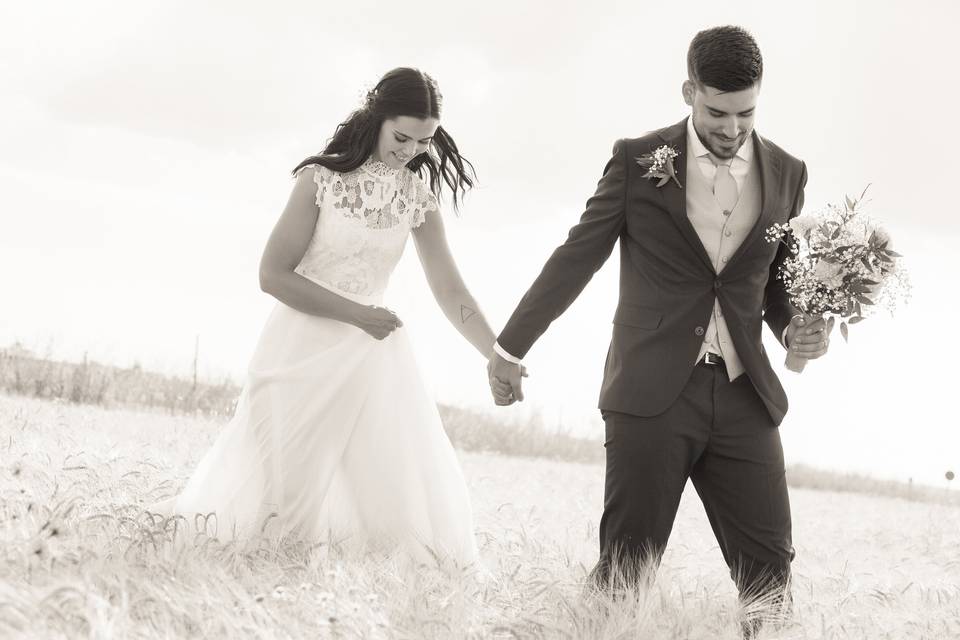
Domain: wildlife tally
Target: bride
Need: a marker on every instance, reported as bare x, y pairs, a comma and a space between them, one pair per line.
335, 437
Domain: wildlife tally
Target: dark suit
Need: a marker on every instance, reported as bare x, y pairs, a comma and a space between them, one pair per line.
662, 410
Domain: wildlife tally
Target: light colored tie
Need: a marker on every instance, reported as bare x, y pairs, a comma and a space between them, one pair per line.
725, 186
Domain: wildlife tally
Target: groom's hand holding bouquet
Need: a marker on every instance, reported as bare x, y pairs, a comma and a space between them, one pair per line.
841, 264
808, 338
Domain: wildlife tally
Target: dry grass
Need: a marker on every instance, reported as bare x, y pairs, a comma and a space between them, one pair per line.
24, 373
82, 559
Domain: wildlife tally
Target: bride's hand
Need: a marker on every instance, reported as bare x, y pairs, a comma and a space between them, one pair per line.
379, 322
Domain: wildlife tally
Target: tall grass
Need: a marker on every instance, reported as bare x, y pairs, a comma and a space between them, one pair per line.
80, 558
92, 383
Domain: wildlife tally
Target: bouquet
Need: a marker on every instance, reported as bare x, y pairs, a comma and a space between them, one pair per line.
841, 265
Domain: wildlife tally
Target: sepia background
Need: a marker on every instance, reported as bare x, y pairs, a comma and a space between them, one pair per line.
146, 148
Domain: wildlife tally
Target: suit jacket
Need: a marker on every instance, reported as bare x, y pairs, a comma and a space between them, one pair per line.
667, 283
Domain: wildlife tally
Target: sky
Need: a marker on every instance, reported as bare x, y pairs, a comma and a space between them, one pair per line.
145, 151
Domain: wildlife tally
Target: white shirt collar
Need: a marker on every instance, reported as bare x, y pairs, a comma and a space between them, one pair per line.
745, 152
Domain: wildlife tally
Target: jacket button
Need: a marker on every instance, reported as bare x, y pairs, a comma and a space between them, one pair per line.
699, 331
717, 283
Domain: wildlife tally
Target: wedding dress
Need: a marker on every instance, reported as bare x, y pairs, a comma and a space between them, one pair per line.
335, 437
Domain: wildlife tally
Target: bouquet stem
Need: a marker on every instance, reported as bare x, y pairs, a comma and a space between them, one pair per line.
794, 362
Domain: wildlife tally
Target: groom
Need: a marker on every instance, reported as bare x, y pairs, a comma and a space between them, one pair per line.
688, 390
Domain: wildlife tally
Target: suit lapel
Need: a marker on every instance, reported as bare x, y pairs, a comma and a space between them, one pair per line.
769, 164
675, 197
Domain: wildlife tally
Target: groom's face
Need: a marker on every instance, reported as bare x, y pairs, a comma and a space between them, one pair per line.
723, 120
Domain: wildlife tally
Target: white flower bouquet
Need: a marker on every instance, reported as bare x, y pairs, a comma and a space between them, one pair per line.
841, 265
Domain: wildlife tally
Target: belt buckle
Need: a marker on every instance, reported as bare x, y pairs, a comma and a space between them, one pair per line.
711, 358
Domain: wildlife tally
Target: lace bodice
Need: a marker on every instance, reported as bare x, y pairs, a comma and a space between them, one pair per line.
365, 218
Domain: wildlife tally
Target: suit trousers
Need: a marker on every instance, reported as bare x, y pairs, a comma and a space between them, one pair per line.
720, 435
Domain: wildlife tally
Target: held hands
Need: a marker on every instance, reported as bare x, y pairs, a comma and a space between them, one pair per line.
379, 322
809, 337
505, 379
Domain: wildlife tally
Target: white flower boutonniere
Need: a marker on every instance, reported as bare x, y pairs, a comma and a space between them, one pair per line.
659, 164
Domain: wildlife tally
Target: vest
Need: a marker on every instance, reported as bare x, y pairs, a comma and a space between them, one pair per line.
721, 236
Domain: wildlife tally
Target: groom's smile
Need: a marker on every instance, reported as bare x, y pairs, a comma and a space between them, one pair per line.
722, 119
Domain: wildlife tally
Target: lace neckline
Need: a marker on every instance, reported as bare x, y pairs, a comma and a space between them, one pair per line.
379, 168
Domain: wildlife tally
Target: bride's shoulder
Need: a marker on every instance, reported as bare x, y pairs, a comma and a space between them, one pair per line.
315, 172
412, 182
418, 193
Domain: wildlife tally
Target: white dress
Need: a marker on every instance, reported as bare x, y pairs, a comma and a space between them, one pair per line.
335, 437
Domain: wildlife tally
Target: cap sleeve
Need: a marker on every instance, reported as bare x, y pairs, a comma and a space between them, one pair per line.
424, 202
321, 176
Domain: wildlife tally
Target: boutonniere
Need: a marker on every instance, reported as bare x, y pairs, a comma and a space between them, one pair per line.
659, 164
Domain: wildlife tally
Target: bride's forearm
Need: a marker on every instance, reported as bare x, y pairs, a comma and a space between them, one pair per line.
464, 314
301, 294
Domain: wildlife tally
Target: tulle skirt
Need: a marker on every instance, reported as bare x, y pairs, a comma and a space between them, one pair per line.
334, 439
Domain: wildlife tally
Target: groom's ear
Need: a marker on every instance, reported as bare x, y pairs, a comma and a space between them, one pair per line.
689, 91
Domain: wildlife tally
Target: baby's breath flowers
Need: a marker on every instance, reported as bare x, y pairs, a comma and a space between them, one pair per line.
841, 264
659, 164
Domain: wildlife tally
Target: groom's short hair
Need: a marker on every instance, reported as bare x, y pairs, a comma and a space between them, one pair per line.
725, 58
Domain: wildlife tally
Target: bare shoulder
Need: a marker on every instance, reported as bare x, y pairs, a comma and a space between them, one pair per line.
307, 192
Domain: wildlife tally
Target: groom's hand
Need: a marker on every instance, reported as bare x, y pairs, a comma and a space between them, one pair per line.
809, 337
506, 380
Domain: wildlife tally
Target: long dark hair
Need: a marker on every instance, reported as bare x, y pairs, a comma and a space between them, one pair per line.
401, 92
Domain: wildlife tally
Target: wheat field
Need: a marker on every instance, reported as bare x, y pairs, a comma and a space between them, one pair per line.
81, 558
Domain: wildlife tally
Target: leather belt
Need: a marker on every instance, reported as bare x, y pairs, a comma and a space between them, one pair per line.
711, 358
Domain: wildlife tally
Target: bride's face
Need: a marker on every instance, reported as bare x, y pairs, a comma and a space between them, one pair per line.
723, 120
402, 138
